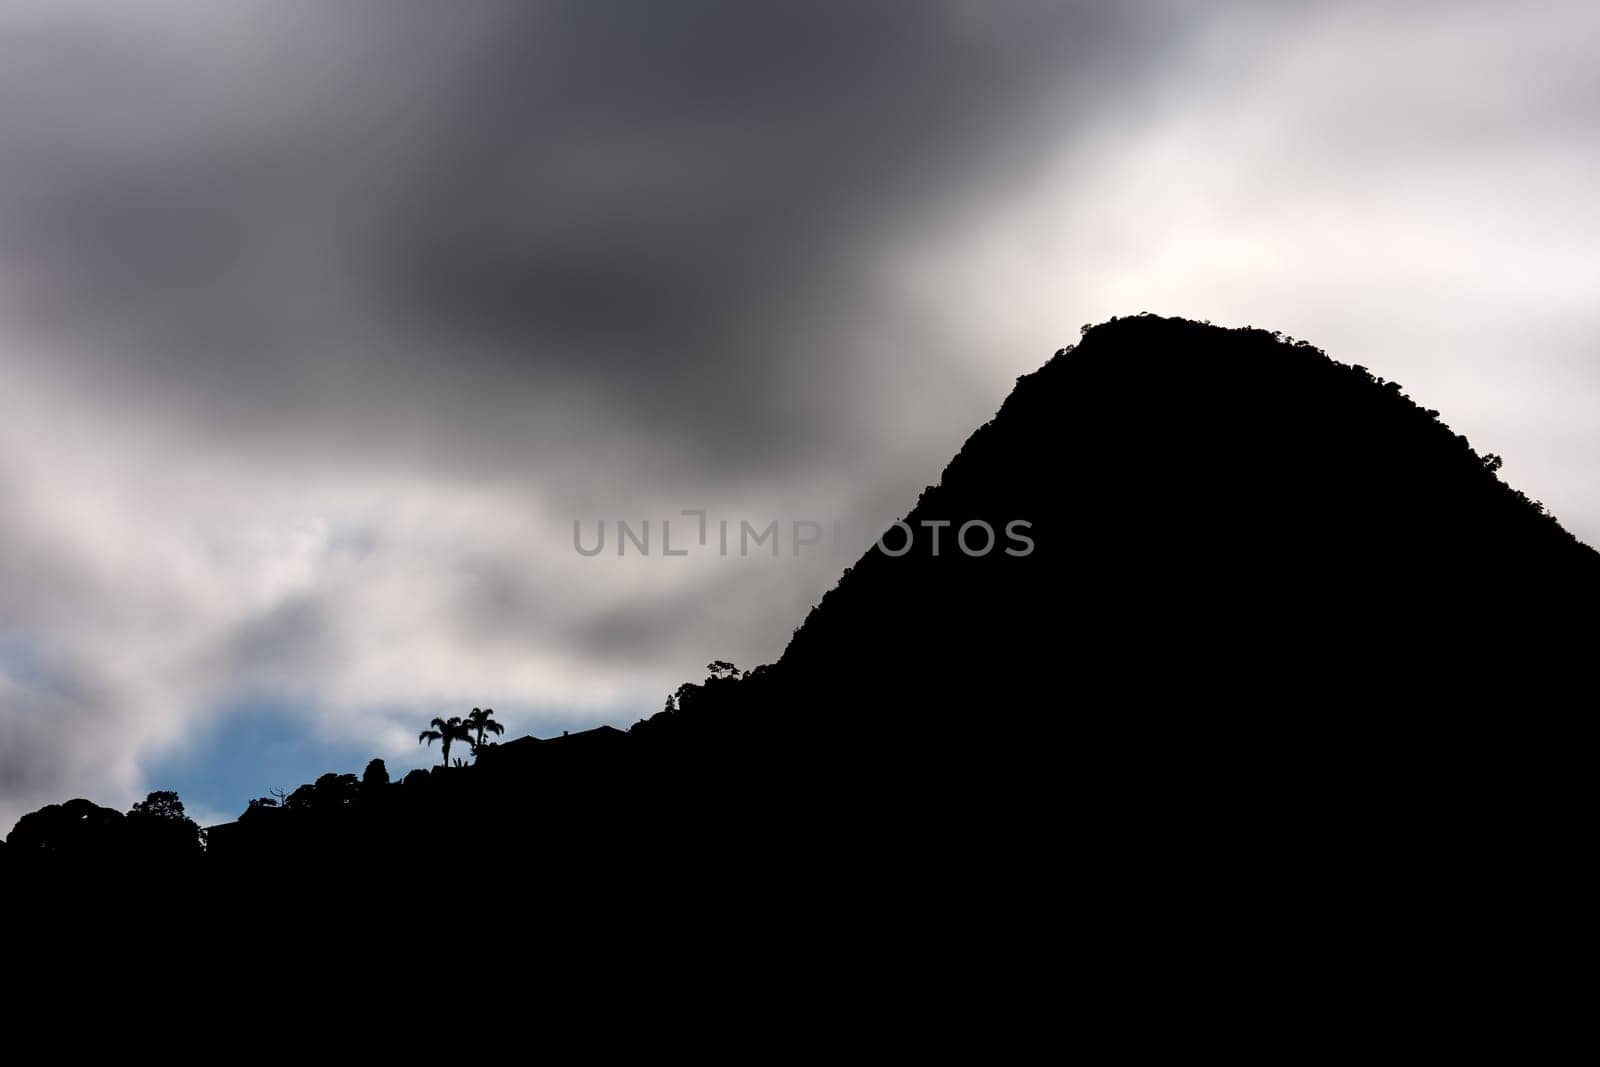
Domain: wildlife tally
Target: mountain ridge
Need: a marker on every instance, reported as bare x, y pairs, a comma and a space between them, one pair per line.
1237, 543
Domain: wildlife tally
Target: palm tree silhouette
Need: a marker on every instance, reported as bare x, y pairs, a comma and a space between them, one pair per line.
481, 720
448, 731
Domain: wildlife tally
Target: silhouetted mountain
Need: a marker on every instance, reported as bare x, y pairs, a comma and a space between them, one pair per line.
1238, 545
1271, 604
1212, 509
1240, 611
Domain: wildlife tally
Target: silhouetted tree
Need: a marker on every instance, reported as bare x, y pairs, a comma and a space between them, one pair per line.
162, 804
158, 823
481, 721
326, 793
375, 777
75, 828
447, 731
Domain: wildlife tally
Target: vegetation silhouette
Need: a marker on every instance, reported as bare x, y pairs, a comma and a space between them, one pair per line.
155, 830
375, 777
446, 732
479, 722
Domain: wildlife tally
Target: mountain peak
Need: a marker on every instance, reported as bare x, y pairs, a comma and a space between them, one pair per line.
1210, 496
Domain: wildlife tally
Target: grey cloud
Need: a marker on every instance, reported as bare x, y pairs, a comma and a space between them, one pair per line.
60, 729
374, 214
291, 637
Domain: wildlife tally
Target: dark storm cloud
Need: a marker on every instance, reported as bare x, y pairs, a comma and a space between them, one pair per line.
363, 215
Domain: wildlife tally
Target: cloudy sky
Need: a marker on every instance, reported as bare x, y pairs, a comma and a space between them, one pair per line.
321, 323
